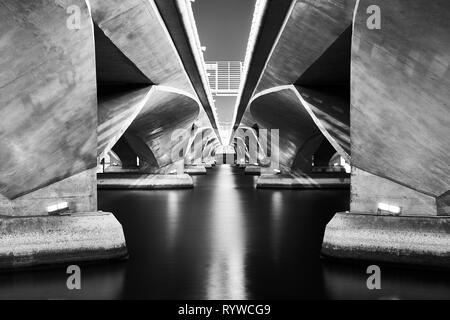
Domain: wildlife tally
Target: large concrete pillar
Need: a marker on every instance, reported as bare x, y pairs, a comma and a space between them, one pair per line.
48, 138
400, 124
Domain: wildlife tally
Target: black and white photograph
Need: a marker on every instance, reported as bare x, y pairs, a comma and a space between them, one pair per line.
224, 156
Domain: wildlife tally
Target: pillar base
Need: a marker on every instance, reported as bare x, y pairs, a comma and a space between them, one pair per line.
195, 170
145, 182
422, 241
47, 240
252, 170
287, 181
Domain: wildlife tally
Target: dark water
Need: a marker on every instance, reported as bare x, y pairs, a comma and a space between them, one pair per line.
225, 240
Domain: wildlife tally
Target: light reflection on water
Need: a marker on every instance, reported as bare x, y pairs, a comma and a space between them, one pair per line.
226, 274
225, 240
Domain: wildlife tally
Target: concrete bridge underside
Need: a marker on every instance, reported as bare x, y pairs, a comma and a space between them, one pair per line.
126, 71
326, 75
132, 73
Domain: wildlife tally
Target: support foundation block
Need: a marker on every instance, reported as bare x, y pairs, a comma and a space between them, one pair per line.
48, 240
252, 170
286, 181
195, 170
145, 182
423, 241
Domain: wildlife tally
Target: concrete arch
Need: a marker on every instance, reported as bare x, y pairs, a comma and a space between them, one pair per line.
280, 109
332, 124
168, 110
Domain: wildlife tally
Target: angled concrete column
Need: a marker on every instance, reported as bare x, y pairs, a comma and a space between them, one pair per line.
400, 151
49, 139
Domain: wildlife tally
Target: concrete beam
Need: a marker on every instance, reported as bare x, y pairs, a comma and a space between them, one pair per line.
180, 22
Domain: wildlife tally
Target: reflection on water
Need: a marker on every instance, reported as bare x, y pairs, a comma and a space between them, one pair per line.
348, 281
99, 281
226, 274
276, 215
225, 239
173, 214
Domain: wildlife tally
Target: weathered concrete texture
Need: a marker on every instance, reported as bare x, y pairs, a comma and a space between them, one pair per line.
369, 190
399, 152
78, 190
195, 170
402, 134
144, 182
43, 240
317, 181
413, 240
252, 170
47, 95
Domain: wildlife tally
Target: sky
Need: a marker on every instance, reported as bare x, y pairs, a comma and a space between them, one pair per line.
224, 27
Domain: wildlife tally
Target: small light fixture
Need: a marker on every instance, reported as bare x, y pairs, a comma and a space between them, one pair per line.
58, 209
383, 207
277, 171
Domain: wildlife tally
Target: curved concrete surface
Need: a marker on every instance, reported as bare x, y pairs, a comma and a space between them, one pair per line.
151, 114
309, 31
281, 110
389, 138
48, 123
136, 28
116, 112
179, 19
166, 112
268, 19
